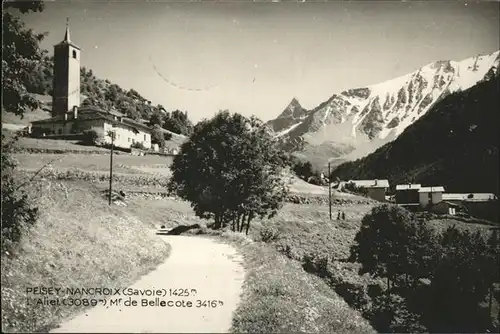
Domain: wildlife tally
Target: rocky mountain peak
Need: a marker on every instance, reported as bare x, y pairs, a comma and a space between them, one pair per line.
374, 115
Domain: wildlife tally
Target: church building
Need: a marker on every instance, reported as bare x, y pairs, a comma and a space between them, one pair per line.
68, 118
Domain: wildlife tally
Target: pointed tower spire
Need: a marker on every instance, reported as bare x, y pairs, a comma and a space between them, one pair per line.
66, 35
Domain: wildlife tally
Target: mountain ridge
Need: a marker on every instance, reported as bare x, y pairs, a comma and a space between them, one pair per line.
454, 145
363, 119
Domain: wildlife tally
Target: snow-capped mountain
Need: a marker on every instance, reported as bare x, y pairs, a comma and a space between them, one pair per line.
355, 122
292, 116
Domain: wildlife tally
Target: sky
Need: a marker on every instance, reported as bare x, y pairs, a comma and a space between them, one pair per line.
254, 57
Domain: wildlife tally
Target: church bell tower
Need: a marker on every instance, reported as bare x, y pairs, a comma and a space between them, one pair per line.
66, 84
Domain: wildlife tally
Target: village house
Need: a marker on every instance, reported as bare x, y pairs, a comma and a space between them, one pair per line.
458, 198
69, 119
127, 131
408, 195
482, 205
430, 195
376, 189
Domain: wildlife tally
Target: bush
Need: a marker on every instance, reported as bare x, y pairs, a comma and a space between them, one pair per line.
269, 235
389, 314
18, 210
90, 137
157, 136
138, 145
352, 187
316, 264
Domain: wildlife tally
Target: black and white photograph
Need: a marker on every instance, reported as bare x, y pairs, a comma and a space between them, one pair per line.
234, 166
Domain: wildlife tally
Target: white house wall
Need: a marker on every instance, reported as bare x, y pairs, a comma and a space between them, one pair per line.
423, 199
125, 136
437, 197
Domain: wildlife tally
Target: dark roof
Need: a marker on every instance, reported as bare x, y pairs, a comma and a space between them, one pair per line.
94, 113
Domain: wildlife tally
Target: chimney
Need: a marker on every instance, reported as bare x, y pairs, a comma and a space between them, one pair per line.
75, 112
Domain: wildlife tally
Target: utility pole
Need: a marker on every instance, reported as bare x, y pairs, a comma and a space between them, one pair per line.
329, 190
112, 135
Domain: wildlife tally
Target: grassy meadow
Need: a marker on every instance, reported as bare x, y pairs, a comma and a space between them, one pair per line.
99, 163
70, 246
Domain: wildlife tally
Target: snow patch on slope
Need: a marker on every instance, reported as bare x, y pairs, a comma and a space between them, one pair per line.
284, 132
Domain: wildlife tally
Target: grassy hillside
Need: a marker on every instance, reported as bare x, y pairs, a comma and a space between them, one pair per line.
36, 115
78, 241
455, 145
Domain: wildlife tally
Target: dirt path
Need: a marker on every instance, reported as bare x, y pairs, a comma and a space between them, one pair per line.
212, 268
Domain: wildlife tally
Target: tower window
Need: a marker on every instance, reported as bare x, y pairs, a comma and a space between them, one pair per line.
74, 54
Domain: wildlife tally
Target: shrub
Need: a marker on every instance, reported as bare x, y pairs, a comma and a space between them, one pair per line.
90, 137
269, 235
18, 211
157, 136
352, 187
316, 264
138, 145
389, 314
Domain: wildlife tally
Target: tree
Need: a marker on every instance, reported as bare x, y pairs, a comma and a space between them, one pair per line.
178, 122
423, 250
156, 118
460, 284
229, 170
21, 55
352, 187
17, 209
302, 169
157, 136
494, 264
381, 243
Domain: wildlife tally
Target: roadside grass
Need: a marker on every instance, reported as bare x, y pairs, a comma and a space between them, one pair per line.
156, 213
78, 241
279, 297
